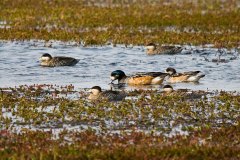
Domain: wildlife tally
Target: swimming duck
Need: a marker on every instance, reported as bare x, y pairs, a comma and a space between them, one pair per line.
167, 89
192, 76
48, 61
186, 93
140, 78
153, 49
97, 93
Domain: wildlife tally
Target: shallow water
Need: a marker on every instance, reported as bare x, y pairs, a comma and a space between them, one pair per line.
20, 65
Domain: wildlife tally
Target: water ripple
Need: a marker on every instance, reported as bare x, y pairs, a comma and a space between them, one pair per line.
19, 64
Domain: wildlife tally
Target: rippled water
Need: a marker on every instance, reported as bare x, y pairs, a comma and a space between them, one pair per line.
19, 65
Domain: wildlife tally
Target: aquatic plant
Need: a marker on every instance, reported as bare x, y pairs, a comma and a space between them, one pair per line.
98, 22
44, 121
201, 144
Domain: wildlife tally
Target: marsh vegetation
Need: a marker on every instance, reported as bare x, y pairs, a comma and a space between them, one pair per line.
50, 119
46, 121
123, 22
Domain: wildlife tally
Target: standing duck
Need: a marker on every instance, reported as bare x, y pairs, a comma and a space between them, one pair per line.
192, 76
97, 93
140, 78
48, 61
153, 49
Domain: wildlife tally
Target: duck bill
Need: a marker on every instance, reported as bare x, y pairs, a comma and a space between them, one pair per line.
89, 91
112, 79
166, 74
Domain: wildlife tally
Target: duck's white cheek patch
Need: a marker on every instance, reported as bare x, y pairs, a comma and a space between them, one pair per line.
112, 78
168, 89
95, 91
150, 47
45, 58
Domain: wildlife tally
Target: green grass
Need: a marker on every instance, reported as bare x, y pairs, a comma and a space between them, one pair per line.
197, 23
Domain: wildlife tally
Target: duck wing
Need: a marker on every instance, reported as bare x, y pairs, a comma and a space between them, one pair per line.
191, 73
180, 74
168, 50
152, 74
64, 61
113, 95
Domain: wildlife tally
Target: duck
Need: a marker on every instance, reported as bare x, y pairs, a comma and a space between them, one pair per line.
192, 76
48, 61
167, 89
96, 93
153, 49
140, 78
186, 93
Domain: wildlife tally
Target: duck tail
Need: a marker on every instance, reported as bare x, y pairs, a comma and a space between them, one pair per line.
201, 75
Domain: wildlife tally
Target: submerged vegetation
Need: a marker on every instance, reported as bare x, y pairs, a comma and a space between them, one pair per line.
125, 22
58, 122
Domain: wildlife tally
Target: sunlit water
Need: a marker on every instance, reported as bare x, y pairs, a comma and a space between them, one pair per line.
19, 65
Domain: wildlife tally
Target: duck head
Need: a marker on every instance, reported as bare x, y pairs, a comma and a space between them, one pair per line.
150, 48
170, 71
117, 75
46, 57
168, 88
95, 90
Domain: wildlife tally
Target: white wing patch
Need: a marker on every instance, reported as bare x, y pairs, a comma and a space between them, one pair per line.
194, 78
157, 80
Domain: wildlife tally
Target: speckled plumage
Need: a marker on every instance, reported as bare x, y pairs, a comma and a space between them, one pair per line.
48, 61
153, 49
97, 94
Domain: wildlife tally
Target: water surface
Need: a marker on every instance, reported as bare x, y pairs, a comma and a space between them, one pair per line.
19, 65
